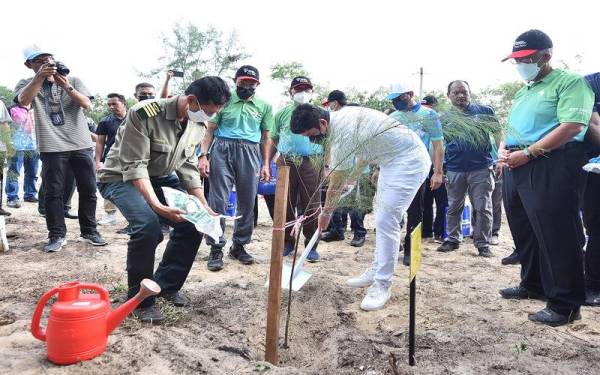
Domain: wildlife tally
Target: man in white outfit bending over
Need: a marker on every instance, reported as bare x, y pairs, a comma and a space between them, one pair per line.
357, 136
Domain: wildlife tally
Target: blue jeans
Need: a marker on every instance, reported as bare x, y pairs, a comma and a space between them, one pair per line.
29, 161
145, 235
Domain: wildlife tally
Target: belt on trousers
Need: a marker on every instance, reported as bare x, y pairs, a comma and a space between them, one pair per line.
236, 140
566, 146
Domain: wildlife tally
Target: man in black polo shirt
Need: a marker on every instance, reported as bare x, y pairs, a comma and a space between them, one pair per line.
107, 132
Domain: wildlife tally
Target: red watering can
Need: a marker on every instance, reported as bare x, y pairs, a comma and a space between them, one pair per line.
79, 324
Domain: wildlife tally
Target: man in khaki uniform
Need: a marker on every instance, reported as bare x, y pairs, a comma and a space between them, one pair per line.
155, 148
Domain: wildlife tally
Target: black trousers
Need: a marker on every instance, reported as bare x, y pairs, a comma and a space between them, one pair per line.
542, 200
414, 216
440, 196
591, 220
339, 221
56, 166
67, 196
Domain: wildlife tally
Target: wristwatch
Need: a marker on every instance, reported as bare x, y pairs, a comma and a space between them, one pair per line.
70, 88
202, 154
528, 153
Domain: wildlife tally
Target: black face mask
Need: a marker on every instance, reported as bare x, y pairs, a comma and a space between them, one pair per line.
317, 138
244, 92
144, 97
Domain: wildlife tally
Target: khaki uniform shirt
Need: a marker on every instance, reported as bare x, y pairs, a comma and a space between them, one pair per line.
152, 143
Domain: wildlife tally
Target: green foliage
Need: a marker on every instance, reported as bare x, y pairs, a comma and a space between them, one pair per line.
6, 95
500, 98
99, 108
374, 100
198, 52
285, 72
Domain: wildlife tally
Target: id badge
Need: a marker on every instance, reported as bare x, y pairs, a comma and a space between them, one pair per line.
57, 118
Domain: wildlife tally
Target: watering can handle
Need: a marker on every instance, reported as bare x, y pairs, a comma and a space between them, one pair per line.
100, 289
36, 331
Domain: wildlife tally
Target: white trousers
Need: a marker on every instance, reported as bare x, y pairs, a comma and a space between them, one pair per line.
396, 188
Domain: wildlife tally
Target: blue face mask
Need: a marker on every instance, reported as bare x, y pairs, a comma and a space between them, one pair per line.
401, 105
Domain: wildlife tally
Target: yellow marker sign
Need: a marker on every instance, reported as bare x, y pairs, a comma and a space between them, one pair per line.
415, 251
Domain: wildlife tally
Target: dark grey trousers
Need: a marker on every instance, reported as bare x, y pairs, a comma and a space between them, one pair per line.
234, 163
479, 184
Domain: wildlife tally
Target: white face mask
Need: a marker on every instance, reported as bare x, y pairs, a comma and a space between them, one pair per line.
302, 97
528, 71
199, 116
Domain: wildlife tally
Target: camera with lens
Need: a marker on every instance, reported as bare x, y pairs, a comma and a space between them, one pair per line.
61, 68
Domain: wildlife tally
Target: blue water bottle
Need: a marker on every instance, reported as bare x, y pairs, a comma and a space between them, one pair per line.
231, 207
466, 221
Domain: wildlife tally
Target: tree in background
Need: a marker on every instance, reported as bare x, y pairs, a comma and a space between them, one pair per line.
197, 53
7, 95
500, 98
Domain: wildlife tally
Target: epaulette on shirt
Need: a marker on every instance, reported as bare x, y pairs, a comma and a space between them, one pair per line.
149, 110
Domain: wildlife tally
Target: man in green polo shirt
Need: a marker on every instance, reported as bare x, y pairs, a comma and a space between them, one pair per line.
236, 138
544, 181
298, 153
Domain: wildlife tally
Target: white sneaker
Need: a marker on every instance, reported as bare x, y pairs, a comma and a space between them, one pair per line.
362, 281
377, 296
494, 241
109, 219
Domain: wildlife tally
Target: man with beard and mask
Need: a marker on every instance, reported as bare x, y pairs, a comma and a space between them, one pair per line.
335, 101
426, 123
469, 170
359, 136
236, 138
155, 148
297, 152
544, 180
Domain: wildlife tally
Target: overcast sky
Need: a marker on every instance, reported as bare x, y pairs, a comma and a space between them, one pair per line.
365, 44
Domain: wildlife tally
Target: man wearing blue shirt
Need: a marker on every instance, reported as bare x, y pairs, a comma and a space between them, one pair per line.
469, 167
426, 123
544, 181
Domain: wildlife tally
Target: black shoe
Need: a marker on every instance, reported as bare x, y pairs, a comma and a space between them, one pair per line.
123, 230
448, 246
215, 259
176, 298
485, 252
357, 241
30, 199
149, 314
3, 212
519, 292
238, 252
406, 259
332, 236
592, 298
93, 239
554, 319
511, 259
55, 244
68, 215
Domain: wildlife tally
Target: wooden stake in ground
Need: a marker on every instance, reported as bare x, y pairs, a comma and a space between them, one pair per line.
415, 263
274, 299
3, 240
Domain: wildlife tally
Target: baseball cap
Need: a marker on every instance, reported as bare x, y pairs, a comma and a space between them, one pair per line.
529, 43
300, 81
247, 72
429, 100
397, 89
33, 51
336, 95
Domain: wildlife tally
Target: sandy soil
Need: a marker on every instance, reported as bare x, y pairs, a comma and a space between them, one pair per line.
463, 326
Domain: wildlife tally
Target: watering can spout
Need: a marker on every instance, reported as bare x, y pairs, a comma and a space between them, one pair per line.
147, 288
